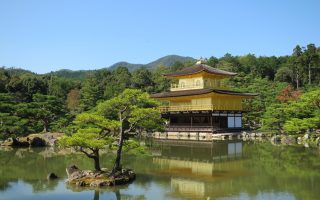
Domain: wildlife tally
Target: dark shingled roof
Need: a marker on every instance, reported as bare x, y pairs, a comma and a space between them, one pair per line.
200, 68
199, 92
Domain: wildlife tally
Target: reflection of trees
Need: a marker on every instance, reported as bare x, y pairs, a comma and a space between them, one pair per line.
33, 165
292, 169
96, 195
43, 185
4, 185
262, 169
274, 169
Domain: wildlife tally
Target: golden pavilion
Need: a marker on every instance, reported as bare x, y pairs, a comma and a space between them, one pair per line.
200, 102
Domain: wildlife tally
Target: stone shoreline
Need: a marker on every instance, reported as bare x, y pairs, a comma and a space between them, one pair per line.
33, 140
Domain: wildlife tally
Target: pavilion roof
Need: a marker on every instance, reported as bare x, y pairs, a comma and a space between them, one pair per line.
199, 92
199, 67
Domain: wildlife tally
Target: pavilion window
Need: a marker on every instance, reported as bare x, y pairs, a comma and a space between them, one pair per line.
198, 83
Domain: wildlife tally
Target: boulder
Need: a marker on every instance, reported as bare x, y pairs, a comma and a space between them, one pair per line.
243, 134
276, 139
306, 136
260, 135
15, 143
71, 169
318, 141
37, 142
51, 176
288, 140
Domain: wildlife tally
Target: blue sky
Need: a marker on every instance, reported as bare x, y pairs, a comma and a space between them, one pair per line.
43, 35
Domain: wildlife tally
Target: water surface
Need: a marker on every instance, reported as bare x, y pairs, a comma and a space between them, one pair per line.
175, 170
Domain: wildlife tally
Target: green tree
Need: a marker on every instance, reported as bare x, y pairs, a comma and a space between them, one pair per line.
311, 59
73, 100
296, 115
284, 74
142, 79
46, 109
133, 109
274, 117
119, 80
60, 87
297, 64
11, 125
4, 79
161, 83
90, 92
93, 132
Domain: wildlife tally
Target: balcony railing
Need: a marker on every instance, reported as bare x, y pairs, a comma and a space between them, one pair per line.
175, 87
199, 107
178, 87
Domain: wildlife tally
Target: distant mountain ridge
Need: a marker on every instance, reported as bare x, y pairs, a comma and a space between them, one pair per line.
166, 61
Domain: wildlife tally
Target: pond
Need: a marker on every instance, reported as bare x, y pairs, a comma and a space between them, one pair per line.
175, 170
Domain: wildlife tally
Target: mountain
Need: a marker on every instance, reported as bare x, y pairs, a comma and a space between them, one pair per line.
166, 61
169, 61
130, 66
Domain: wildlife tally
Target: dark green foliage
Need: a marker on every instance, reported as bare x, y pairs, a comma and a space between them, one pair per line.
142, 79
118, 81
76, 91
90, 92
296, 116
60, 87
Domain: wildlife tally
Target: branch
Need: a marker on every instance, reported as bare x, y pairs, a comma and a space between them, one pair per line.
87, 154
132, 126
123, 110
103, 135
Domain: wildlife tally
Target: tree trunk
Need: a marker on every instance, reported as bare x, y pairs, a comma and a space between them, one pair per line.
117, 164
309, 69
45, 128
297, 80
96, 160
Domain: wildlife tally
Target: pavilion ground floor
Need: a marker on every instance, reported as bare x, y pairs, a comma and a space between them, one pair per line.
205, 121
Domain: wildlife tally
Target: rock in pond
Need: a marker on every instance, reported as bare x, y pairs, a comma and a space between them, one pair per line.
98, 178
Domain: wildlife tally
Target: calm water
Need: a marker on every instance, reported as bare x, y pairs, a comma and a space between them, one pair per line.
176, 170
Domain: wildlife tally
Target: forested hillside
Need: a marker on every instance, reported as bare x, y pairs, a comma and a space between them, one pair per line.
168, 61
289, 99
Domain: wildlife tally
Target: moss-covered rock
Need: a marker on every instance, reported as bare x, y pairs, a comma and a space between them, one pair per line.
88, 178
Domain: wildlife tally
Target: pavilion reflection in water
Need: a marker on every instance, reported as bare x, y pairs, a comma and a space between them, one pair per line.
191, 165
